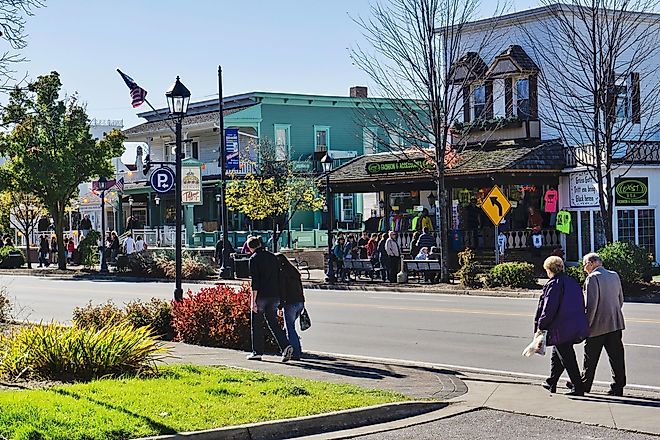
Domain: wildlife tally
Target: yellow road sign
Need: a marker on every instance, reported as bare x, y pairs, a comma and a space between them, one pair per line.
496, 205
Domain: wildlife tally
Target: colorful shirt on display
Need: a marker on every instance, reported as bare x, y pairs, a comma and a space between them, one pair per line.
537, 239
564, 222
550, 200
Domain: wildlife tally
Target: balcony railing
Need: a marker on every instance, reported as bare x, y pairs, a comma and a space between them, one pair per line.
629, 152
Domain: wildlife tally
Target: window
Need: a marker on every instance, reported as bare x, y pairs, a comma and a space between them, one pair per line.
395, 141
626, 225
282, 141
522, 98
195, 150
621, 96
369, 140
321, 138
347, 207
479, 101
585, 222
646, 229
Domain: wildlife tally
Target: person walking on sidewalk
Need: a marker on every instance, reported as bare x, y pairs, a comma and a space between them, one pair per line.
604, 299
561, 313
393, 257
53, 249
44, 247
266, 297
293, 301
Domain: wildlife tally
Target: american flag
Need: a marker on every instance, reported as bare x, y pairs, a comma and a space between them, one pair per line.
138, 94
120, 184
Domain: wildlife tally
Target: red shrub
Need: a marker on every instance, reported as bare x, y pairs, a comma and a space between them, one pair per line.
217, 316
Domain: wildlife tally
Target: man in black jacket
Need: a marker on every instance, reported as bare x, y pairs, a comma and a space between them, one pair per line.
266, 297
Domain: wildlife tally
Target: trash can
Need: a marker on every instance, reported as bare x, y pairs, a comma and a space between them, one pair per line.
242, 265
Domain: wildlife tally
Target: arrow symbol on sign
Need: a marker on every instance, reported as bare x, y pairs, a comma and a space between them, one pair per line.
495, 202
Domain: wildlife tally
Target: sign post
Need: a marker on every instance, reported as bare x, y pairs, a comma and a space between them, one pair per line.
496, 206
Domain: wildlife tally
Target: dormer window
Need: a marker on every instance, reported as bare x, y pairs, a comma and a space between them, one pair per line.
479, 101
519, 73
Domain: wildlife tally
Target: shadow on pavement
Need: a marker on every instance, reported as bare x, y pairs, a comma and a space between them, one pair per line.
634, 401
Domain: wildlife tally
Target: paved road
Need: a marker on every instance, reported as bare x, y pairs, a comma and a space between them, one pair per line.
479, 332
487, 424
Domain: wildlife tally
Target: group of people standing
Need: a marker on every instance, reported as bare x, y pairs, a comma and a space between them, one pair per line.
48, 250
571, 315
276, 291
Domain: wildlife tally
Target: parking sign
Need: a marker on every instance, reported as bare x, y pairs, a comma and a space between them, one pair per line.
162, 180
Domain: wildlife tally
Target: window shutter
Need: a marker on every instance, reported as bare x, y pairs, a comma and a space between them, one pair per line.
508, 97
489, 100
466, 104
635, 98
533, 97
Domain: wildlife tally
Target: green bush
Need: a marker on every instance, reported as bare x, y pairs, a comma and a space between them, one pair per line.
156, 314
7, 261
161, 264
89, 249
577, 273
5, 305
511, 274
631, 262
54, 352
470, 269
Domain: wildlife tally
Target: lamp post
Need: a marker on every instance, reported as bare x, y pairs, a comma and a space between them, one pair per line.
102, 186
218, 197
157, 200
326, 161
130, 207
226, 271
178, 97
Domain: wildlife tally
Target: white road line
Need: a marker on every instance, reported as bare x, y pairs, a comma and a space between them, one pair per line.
642, 345
465, 369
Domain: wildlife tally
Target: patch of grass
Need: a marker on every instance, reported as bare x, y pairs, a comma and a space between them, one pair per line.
179, 398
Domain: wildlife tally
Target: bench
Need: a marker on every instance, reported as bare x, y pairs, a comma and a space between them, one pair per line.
422, 267
354, 267
301, 265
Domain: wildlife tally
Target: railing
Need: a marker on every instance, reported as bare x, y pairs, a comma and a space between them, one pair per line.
521, 239
648, 152
163, 236
212, 169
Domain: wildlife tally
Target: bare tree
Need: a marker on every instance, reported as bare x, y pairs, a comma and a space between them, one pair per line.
423, 61
599, 85
24, 213
13, 15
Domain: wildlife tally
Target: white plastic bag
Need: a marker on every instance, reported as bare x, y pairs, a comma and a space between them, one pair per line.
537, 346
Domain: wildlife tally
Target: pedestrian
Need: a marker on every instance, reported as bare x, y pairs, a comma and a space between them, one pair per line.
85, 225
350, 251
140, 245
339, 253
414, 246
114, 246
382, 256
560, 312
362, 245
44, 247
426, 239
293, 301
53, 249
70, 248
423, 254
265, 299
129, 244
393, 256
372, 247
603, 295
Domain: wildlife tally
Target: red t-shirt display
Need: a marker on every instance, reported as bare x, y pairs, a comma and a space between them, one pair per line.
551, 200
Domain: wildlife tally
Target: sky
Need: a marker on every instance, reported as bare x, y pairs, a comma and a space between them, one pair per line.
293, 46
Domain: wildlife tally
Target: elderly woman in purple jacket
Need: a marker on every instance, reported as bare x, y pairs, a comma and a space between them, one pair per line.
561, 312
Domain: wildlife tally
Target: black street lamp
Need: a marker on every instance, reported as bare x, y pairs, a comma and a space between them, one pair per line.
157, 200
103, 185
130, 207
178, 97
326, 161
226, 271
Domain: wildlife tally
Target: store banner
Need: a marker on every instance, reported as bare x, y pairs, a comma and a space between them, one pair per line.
399, 166
191, 185
631, 191
232, 149
583, 190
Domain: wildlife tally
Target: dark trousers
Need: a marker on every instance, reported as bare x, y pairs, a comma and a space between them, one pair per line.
563, 357
614, 348
267, 309
393, 269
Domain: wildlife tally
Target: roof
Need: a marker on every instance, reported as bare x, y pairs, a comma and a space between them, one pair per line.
468, 67
522, 63
188, 121
544, 157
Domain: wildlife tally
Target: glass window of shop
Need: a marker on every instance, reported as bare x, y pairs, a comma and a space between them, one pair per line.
404, 202
637, 226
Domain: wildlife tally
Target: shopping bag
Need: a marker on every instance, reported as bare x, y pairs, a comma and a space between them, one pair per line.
537, 346
305, 321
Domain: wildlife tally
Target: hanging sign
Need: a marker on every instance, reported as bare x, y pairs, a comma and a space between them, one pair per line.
398, 166
232, 149
191, 185
633, 191
583, 190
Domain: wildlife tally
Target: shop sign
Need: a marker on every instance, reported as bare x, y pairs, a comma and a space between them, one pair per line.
632, 191
583, 190
399, 166
191, 185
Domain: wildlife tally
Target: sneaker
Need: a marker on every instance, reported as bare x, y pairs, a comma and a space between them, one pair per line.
287, 353
253, 357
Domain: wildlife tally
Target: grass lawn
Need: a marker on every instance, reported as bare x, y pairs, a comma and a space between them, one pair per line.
181, 398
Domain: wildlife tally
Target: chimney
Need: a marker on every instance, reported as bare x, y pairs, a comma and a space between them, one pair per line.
358, 92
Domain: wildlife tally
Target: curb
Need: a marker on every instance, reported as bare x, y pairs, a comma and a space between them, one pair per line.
424, 289
312, 425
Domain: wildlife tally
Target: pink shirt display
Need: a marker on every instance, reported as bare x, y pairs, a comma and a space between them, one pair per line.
551, 200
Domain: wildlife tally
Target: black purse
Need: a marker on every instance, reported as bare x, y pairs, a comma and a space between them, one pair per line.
305, 321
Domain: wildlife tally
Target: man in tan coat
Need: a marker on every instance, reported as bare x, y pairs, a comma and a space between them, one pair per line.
603, 297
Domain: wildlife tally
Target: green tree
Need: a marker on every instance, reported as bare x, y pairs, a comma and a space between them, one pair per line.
50, 150
274, 190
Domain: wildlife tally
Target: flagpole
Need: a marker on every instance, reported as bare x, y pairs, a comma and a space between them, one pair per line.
156, 111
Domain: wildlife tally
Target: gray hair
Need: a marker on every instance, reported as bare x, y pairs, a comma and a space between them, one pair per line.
592, 257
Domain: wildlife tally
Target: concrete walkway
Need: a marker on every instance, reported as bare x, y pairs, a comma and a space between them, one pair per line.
464, 391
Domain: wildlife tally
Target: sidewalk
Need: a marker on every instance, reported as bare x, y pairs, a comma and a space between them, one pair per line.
638, 411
